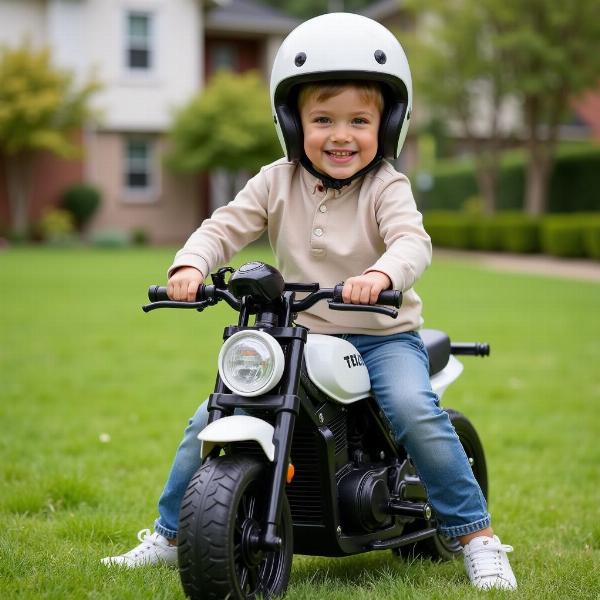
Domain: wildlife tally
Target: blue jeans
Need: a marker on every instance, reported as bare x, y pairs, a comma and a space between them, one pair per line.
398, 368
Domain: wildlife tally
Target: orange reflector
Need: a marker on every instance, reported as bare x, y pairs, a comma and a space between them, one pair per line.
290, 473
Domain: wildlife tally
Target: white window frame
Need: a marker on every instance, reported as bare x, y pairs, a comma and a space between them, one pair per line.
150, 44
151, 168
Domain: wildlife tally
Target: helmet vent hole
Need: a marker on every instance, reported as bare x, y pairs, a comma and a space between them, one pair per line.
380, 57
300, 59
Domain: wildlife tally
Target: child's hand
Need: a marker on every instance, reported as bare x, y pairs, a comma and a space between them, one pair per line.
184, 284
365, 289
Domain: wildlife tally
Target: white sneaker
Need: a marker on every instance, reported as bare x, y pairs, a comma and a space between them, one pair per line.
487, 565
153, 550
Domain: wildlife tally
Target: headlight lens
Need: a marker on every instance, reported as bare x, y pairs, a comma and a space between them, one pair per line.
251, 363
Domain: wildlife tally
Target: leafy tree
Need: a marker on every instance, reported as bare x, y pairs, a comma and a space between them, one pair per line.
551, 51
40, 109
540, 52
227, 126
304, 9
456, 69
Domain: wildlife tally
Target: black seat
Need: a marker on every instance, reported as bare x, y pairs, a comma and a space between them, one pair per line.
438, 347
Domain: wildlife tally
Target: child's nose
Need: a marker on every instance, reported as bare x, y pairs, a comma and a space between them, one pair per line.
341, 133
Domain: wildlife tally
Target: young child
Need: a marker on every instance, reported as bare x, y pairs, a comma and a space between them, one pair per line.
335, 210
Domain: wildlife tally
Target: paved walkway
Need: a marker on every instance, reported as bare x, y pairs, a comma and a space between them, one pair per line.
583, 270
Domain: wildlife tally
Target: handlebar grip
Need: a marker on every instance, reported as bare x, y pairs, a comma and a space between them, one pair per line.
158, 293
390, 298
386, 298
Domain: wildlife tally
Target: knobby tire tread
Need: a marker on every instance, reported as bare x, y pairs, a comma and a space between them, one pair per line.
206, 526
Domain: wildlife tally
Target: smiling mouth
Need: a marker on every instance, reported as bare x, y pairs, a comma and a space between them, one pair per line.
340, 153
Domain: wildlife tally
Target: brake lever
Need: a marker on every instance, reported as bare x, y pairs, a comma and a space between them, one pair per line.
199, 306
382, 310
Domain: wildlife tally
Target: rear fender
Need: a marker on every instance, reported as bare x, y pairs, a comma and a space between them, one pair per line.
450, 373
237, 428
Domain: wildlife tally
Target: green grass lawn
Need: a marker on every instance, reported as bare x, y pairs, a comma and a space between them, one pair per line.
94, 396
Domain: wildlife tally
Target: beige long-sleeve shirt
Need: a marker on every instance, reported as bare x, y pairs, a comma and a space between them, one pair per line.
325, 236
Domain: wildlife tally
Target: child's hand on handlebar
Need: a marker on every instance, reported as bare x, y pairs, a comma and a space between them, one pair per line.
365, 289
184, 283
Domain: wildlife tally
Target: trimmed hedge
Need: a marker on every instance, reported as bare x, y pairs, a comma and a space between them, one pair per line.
591, 240
572, 236
563, 239
574, 184
576, 235
450, 229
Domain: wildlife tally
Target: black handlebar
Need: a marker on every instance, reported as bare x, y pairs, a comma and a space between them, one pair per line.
210, 294
206, 295
470, 348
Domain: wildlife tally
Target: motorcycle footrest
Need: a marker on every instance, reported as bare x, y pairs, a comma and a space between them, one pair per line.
403, 540
402, 508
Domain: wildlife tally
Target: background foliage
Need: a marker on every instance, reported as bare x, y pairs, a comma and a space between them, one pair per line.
40, 105
472, 58
306, 9
575, 235
574, 183
41, 108
227, 126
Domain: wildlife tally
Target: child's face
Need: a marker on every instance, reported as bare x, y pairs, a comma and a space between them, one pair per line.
340, 133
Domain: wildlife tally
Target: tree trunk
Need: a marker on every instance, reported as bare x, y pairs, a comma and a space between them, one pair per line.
486, 153
541, 152
487, 181
19, 173
537, 176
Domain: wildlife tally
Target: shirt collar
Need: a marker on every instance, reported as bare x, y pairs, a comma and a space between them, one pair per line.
316, 187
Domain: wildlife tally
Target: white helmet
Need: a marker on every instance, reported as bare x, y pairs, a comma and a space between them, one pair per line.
341, 46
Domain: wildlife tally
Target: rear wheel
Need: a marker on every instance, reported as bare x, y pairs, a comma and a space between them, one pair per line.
219, 525
441, 547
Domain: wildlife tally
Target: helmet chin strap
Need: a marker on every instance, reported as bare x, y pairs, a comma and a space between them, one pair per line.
338, 184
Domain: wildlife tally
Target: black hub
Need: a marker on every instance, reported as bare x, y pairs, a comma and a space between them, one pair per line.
251, 553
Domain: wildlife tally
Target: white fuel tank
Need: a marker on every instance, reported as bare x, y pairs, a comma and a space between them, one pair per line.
335, 366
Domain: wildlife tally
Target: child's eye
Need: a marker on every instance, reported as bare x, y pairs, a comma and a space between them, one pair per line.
360, 121
321, 120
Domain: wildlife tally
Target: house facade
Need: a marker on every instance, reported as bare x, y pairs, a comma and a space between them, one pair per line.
151, 56
239, 35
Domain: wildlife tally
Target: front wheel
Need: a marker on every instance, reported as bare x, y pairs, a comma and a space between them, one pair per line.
219, 523
441, 547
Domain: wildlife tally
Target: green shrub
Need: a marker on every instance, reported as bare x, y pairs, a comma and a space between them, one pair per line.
563, 236
82, 201
574, 184
453, 182
575, 181
57, 226
487, 234
139, 237
519, 232
591, 239
575, 235
449, 229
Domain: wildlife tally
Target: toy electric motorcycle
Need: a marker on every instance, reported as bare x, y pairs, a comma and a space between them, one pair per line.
307, 463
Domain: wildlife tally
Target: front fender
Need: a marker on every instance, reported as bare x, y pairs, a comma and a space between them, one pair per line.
237, 428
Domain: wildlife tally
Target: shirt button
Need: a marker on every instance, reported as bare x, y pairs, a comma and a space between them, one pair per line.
318, 232
320, 188
323, 208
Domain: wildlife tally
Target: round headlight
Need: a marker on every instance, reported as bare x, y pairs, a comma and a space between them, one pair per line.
251, 363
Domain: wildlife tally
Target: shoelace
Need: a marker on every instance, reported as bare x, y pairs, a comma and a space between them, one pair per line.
147, 538
486, 561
